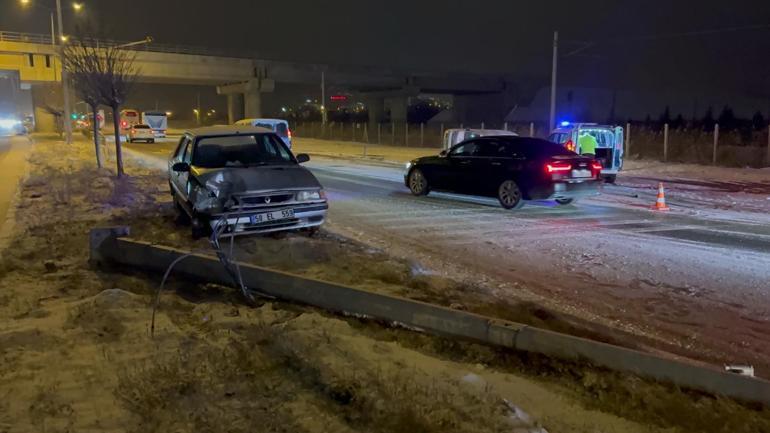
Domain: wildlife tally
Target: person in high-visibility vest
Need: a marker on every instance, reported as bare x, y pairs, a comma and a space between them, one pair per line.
587, 144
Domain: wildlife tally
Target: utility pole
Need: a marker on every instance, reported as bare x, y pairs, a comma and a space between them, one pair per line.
65, 90
554, 70
323, 97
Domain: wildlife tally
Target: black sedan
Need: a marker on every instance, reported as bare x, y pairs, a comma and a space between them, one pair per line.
513, 169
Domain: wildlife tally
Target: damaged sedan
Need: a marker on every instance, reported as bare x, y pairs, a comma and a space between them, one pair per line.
243, 179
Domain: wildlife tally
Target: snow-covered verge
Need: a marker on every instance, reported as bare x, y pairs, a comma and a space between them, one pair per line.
77, 355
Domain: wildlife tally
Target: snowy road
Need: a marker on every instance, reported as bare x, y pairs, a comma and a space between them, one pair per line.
695, 281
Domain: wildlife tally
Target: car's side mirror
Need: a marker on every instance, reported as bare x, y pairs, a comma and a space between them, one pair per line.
444, 153
181, 167
303, 157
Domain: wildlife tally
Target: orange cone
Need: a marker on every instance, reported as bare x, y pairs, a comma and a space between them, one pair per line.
660, 203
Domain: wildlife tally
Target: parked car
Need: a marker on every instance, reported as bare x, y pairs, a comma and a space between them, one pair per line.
279, 126
141, 132
245, 178
606, 141
458, 135
512, 169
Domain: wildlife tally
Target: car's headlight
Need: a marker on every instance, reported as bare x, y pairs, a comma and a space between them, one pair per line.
310, 195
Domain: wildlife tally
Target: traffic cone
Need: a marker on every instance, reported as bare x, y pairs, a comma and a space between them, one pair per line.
660, 203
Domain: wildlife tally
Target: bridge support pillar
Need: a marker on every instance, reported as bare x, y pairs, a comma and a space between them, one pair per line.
376, 108
246, 96
398, 106
234, 107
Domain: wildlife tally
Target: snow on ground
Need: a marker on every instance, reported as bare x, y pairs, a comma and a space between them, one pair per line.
214, 364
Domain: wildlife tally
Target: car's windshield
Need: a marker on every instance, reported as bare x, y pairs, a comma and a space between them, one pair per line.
240, 151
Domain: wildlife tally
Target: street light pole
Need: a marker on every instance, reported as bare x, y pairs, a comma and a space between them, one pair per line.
53, 32
64, 79
554, 70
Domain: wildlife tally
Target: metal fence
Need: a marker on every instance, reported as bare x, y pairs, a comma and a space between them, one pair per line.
684, 145
400, 133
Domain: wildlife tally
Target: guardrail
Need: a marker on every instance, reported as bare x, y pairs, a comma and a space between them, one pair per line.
35, 38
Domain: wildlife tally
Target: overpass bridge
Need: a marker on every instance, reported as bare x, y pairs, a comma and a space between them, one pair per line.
243, 77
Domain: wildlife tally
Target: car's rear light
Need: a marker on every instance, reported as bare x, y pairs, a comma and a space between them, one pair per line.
557, 167
570, 145
596, 165
123, 124
289, 132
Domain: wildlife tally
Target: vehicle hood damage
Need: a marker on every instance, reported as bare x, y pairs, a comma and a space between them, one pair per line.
219, 185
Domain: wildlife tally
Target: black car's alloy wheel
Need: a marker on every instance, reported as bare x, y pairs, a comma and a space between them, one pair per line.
564, 201
418, 184
509, 195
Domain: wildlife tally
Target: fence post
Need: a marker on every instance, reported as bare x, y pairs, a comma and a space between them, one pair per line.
406, 134
379, 133
531, 129
442, 131
366, 140
768, 147
422, 135
461, 126
392, 133
628, 139
354, 132
665, 142
482, 125
505, 126
716, 144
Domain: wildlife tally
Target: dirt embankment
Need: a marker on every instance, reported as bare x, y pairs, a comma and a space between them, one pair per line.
76, 353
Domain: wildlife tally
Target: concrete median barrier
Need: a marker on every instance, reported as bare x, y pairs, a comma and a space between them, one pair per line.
112, 246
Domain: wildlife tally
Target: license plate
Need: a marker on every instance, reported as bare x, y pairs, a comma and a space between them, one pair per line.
272, 216
581, 173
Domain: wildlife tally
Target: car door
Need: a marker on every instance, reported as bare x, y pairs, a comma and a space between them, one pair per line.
179, 178
460, 169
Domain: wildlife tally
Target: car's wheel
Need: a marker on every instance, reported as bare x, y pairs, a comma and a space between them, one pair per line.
565, 201
418, 184
610, 178
509, 195
199, 228
181, 215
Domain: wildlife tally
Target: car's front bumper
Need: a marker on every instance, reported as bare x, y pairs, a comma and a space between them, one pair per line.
562, 190
239, 222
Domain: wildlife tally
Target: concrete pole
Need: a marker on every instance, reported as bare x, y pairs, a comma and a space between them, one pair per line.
628, 139
442, 132
716, 144
505, 126
554, 70
406, 134
379, 133
422, 135
531, 129
354, 132
393, 133
65, 88
665, 142
482, 125
53, 32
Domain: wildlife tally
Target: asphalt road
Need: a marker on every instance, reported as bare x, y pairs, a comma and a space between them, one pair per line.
690, 281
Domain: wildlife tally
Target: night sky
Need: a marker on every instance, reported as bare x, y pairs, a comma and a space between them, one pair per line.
504, 36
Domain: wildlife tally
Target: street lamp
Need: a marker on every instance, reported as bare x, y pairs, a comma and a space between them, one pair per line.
77, 6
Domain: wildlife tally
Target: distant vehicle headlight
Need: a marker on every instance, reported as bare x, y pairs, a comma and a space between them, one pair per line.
409, 165
9, 123
310, 195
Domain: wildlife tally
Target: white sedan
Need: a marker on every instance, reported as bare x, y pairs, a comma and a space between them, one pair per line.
141, 132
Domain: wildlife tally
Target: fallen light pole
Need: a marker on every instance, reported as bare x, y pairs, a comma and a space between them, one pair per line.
112, 246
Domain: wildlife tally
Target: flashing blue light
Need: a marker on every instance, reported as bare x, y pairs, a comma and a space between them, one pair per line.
565, 123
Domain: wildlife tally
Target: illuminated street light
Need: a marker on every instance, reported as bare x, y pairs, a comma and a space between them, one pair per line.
77, 6
169, 113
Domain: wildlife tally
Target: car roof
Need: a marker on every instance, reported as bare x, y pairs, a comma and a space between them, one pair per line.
227, 130
264, 120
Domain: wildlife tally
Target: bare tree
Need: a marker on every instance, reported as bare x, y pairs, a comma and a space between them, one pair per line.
117, 76
107, 73
82, 59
